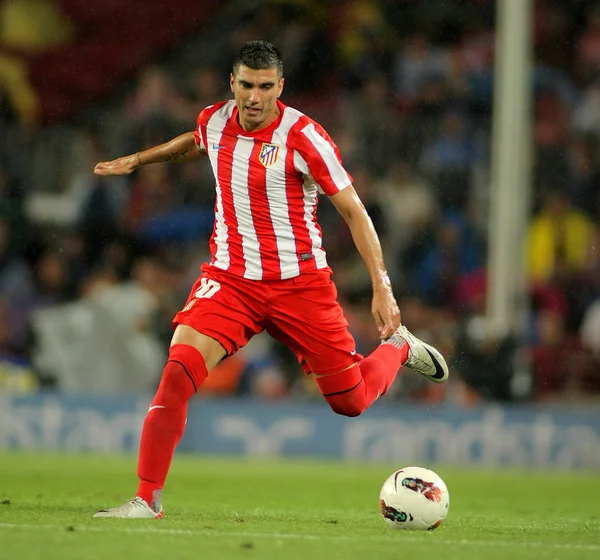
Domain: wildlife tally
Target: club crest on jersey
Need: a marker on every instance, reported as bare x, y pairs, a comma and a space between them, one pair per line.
268, 154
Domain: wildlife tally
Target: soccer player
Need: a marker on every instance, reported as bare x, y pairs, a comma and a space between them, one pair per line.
268, 270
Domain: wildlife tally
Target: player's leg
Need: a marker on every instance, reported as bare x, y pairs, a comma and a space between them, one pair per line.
218, 319
309, 319
353, 390
191, 356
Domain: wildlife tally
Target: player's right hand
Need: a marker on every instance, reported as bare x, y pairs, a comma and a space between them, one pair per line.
120, 166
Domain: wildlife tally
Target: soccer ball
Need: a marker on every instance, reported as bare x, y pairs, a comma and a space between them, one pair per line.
414, 498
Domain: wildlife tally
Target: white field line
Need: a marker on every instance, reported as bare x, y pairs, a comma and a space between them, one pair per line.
410, 537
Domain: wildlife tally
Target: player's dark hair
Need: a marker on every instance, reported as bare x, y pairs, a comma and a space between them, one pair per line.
259, 55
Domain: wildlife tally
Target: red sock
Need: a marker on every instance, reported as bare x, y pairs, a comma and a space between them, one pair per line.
165, 422
352, 391
379, 369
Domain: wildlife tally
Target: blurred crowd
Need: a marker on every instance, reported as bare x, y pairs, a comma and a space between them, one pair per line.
92, 269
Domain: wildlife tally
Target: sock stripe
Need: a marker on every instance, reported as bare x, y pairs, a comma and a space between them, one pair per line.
186, 372
344, 391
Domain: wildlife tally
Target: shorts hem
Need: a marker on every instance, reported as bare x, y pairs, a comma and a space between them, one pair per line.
308, 370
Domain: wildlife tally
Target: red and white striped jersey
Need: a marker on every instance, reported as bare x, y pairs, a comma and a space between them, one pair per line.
267, 184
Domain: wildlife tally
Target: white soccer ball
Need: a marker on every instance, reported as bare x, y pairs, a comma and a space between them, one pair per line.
414, 498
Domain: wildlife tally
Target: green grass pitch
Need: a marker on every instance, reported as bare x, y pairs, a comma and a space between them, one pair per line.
219, 508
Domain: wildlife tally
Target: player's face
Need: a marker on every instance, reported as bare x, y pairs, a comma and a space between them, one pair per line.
256, 93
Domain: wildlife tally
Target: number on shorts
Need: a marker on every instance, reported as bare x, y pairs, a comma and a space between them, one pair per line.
207, 289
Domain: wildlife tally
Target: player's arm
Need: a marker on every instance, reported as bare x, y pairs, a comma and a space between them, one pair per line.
384, 308
181, 148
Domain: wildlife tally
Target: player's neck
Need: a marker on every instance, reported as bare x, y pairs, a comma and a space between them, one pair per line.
269, 120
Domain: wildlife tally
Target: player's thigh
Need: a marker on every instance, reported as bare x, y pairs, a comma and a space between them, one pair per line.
223, 310
309, 319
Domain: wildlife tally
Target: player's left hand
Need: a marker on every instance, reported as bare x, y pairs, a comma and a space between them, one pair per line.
385, 312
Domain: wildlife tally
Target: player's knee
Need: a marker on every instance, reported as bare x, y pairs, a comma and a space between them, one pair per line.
345, 391
349, 411
346, 405
175, 385
187, 360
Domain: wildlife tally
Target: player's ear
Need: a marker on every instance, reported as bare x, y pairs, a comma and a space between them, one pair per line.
281, 82
231, 81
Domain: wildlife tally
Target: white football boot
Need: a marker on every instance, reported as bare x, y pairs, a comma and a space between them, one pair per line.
133, 509
422, 357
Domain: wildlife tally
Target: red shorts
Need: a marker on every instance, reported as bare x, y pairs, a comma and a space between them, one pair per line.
301, 312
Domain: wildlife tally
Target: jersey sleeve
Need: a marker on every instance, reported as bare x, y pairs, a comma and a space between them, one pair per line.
200, 130
321, 157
